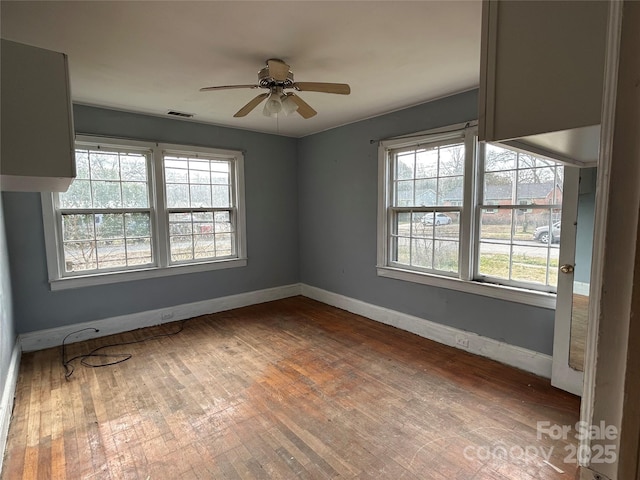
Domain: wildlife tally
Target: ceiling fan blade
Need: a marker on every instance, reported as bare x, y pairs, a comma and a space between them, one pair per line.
304, 109
339, 88
228, 87
278, 70
251, 105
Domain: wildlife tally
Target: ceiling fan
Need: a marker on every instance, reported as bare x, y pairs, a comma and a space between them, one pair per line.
276, 77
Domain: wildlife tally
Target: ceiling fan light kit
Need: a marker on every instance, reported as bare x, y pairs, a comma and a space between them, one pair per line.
276, 77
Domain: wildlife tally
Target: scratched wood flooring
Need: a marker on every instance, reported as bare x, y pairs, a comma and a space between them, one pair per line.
286, 389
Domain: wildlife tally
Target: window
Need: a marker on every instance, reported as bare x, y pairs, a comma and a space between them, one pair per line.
509, 248
425, 228
137, 210
471, 217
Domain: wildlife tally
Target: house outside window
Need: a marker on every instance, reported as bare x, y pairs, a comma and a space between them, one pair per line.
139, 209
494, 204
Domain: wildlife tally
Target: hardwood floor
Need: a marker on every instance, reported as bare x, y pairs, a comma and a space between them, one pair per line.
286, 389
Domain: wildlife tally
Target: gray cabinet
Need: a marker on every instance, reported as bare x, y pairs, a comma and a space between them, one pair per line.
542, 67
37, 147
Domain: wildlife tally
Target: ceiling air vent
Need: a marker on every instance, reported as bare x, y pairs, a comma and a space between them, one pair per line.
179, 114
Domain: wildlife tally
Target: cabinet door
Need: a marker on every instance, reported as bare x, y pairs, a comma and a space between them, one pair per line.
37, 127
542, 65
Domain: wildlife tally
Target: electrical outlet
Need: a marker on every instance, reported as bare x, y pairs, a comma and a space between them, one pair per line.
462, 341
167, 315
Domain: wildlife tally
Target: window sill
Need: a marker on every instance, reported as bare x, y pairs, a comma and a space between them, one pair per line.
502, 292
154, 272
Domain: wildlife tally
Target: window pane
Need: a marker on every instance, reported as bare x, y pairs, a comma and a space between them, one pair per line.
529, 264
204, 246
498, 188
422, 252
137, 225
176, 170
139, 251
495, 260
220, 172
201, 196
401, 250
78, 195
177, 195
404, 193
450, 190
445, 256
199, 172
220, 195
427, 163
224, 244
180, 224
111, 254
404, 165
133, 168
223, 222
135, 195
498, 158
106, 194
82, 164
452, 160
79, 256
425, 191
203, 222
77, 227
109, 225
104, 165
181, 247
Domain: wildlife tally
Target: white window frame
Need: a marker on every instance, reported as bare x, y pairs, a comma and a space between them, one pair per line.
469, 223
58, 280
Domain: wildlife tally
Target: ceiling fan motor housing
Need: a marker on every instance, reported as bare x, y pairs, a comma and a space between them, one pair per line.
266, 80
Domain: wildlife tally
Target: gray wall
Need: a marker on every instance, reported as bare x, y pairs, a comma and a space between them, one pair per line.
272, 230
7, 332
311, 217
584, 229
338, 189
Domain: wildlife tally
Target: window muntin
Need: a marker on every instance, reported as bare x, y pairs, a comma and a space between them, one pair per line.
495, 205
118, 223
528, 192
426, 187
105, 216
199, 193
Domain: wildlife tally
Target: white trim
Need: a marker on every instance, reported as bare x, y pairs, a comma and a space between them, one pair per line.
610, 91
8, 394
522, 358
501, 292
130, 275
53, 337
59, 280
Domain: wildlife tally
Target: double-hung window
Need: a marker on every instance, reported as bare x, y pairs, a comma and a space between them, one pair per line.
139, 209
426, 185
478, 218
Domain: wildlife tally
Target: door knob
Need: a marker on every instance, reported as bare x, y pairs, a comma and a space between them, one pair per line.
566, 268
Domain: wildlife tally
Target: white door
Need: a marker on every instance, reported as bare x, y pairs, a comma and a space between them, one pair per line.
576, 245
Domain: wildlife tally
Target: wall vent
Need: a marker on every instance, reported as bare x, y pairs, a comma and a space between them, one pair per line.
179, 114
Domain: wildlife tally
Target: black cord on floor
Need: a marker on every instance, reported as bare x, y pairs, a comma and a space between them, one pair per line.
120, 357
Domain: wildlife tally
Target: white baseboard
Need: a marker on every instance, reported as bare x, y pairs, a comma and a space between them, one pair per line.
8, 393
518, 357
53, 337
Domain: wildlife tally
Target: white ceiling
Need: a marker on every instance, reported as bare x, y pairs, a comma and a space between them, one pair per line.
152, 57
